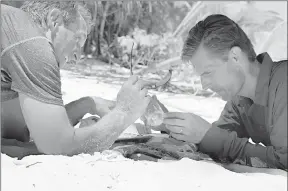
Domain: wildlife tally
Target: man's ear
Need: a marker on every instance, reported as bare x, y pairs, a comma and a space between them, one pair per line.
235, 54
54, 19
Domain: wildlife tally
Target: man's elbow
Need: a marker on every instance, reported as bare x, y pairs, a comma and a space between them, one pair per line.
281, 159
59, 146
55, 148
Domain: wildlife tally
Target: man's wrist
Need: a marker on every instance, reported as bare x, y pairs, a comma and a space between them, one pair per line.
255, 150
204, 133
212, 141
205, 129
125, 115
120, 110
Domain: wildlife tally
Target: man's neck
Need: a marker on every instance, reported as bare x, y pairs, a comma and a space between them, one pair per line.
48, 35
251, 81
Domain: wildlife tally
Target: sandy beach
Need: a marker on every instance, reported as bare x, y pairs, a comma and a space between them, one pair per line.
111, 171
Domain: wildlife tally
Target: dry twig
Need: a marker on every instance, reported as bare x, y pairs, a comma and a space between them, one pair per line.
131, 64
32, 164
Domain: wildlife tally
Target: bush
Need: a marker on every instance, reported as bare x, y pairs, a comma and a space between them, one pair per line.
148, 49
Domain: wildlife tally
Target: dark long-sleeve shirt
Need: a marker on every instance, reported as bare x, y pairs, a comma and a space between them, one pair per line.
264, 121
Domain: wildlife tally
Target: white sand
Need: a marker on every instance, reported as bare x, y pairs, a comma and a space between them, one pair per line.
99, 173
111, 171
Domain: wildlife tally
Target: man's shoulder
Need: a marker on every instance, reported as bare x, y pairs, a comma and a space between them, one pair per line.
14, 16
279, 72
6, 9
279, 65
16, 26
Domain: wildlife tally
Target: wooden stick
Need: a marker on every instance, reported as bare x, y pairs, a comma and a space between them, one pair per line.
163, 81
131, 64
32, 164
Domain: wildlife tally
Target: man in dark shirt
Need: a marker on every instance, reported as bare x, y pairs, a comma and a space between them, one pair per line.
35, 42
254, 87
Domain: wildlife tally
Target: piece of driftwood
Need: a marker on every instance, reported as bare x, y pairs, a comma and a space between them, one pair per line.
154, 147
161, 82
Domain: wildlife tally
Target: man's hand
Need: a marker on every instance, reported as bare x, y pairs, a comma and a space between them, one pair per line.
186, 126
101, 106
132, 98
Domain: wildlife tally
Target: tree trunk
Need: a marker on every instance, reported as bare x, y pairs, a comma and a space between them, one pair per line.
98, 44
87, 45
91, 36
101, 34
96, 31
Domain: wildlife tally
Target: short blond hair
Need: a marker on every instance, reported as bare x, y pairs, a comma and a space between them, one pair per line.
38, 11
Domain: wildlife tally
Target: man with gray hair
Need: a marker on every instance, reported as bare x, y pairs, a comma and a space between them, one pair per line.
35, 43
254, 87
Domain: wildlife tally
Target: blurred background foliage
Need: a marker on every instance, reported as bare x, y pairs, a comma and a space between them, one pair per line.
156, 31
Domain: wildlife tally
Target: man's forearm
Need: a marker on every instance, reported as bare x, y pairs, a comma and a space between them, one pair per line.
274, 158
99, 136
223, 144
57, 136
77, 109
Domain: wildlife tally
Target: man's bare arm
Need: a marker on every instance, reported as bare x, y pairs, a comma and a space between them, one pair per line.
52, 132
